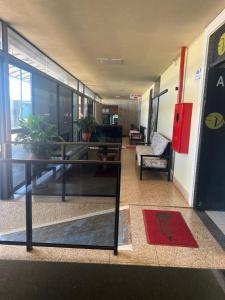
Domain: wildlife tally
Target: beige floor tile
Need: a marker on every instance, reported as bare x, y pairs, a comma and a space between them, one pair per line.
154, 192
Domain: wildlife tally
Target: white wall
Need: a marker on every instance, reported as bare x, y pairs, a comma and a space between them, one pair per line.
184, 163
144, 109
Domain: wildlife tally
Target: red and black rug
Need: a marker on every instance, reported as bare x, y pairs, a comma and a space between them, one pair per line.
167, 228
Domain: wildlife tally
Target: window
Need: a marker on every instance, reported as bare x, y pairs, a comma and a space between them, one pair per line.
85, 107
81, 87
75, 117
20, 95
45, 98
89, 93
23, 50
75, 107
0, 35
90, 107
80, 107
65, 107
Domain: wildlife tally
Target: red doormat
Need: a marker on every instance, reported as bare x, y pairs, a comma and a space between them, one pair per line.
167, 228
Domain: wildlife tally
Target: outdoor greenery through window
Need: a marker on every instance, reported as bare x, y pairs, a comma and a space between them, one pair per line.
20, 95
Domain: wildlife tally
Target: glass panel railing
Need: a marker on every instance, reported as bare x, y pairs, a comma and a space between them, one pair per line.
76, 206
13, 212
72, 198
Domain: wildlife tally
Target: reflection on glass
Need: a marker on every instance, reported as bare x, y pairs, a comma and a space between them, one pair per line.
65, 114
75, 117
20, 95
80, 107
45, 94
81, 87
89, 93
85, 107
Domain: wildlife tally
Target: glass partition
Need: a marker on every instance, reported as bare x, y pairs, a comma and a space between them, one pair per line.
13, 213
71, 192
85, 216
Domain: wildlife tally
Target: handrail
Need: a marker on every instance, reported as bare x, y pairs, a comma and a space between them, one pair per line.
57, 161
28, 192
66, 143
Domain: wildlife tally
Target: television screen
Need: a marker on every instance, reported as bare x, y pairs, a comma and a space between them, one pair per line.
107, 134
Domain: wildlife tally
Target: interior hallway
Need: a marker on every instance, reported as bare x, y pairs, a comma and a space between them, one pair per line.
154, 189
154, 192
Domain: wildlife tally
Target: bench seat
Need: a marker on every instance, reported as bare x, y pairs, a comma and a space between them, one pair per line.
156, 156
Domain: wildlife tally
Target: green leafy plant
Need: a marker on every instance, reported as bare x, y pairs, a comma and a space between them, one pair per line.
36, 129
87, 124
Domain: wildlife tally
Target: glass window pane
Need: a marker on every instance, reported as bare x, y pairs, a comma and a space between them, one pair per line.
85, 107
20, 95
45, 98
80, 107
75, 107
65, 115
89, 93
81, 87
0, 35
23, 50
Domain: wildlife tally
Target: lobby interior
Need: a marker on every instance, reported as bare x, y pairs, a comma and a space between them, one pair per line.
117, 62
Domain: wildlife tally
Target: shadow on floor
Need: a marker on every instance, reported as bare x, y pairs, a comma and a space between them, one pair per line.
45, 280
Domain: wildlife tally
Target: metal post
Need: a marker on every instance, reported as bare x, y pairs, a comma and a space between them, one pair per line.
117, 210
63, 174
28, 206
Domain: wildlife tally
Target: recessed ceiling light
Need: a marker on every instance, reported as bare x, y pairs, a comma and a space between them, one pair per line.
109, 61
117, 96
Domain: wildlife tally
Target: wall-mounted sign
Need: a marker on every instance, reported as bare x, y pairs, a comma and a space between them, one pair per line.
136, 97
218, 48
198, 74
221, 45
214, 120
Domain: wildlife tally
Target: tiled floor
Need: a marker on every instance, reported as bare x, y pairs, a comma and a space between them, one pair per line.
153, 192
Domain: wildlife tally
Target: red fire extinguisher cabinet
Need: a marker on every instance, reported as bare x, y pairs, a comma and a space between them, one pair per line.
182, 127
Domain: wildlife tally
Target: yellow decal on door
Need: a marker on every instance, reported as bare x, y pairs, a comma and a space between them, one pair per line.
214, 120
221, 45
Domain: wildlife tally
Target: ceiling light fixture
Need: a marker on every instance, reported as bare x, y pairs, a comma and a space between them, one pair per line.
109, 61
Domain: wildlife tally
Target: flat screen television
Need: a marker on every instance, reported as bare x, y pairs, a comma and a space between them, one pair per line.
107, 134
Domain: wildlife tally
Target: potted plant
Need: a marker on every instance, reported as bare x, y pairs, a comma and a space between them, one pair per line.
87, 126
34, 130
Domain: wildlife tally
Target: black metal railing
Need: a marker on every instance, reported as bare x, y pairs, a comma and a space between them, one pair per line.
87, 216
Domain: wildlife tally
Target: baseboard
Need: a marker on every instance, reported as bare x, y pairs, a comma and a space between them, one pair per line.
183, 191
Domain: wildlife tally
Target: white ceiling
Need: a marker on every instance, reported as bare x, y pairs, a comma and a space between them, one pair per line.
146, 34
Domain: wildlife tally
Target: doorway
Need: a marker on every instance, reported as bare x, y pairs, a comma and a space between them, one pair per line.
210, 183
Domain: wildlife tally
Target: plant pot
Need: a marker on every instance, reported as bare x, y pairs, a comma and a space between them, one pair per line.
86, 136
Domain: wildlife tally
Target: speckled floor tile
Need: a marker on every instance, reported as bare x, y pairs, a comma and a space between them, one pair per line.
154, 192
